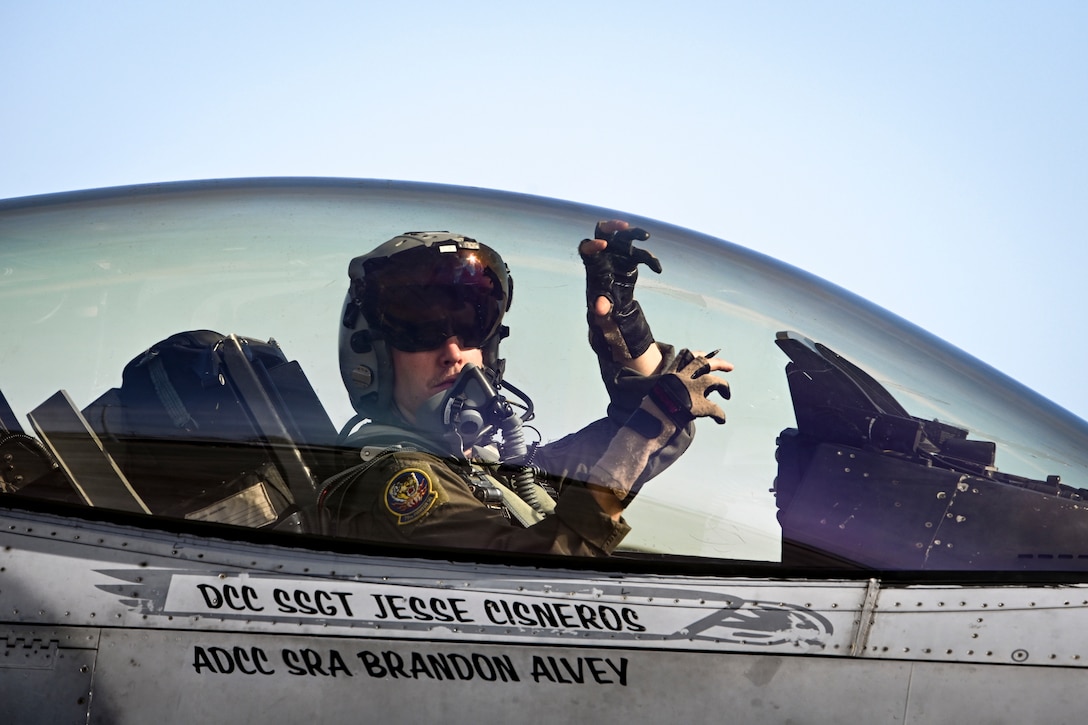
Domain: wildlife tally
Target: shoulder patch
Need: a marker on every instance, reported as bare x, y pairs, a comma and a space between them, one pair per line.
409, 495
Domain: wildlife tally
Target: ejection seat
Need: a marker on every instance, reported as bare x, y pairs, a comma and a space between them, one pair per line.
207, 427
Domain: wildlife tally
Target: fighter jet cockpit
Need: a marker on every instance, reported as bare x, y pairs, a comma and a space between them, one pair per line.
195, 354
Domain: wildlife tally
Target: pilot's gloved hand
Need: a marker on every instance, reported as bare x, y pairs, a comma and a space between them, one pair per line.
617, 327
675, 400
681, 393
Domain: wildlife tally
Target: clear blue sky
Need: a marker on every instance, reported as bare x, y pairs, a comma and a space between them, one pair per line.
930, 156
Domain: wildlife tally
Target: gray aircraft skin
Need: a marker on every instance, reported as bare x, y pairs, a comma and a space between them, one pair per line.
885, 530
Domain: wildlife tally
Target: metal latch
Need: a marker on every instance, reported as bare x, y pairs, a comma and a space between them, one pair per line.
28, 653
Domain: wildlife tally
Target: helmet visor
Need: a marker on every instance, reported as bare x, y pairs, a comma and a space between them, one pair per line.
421, 297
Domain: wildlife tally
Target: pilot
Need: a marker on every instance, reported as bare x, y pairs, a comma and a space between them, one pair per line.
444, 457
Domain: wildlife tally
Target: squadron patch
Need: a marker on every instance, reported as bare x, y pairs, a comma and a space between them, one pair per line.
409, 495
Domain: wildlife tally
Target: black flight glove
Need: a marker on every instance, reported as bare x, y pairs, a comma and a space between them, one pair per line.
623, 334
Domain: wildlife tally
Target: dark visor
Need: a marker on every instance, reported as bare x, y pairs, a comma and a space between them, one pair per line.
421, 297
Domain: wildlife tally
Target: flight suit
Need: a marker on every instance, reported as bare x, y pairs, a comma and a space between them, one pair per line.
418, 498
414, 495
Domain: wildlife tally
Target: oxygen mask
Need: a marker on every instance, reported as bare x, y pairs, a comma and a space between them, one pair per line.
467, 413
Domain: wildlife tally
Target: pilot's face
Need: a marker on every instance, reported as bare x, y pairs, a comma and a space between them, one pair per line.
418, 376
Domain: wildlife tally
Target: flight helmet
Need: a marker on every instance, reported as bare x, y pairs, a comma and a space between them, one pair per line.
413, 293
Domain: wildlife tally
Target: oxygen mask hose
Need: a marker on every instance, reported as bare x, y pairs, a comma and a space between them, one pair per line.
515, 452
